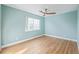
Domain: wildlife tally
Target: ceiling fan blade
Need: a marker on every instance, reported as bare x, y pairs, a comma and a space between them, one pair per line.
42, 12
51, 13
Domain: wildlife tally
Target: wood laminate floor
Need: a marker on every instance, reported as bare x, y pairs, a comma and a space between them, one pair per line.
43, 45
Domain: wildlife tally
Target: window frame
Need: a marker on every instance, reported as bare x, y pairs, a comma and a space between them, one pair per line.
27, 25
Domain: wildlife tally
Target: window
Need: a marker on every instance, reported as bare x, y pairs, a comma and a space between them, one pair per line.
32, 24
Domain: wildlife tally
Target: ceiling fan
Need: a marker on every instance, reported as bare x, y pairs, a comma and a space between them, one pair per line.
46, 12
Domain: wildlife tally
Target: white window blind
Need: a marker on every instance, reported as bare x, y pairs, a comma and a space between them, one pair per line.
32, 24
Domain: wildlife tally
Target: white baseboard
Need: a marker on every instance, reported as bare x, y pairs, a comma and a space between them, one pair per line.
61, 37
14, 43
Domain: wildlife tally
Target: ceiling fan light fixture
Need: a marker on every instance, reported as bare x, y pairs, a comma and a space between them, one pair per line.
46, 12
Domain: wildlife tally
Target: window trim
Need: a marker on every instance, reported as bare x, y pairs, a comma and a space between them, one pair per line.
26, 24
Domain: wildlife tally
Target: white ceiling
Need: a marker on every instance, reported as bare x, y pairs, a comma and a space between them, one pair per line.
34, 8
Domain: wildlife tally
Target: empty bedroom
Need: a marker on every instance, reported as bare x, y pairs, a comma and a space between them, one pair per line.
39, 28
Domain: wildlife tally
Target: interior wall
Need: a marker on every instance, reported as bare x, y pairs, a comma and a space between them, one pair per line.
63, 25
0, 27
78, 27
13, 25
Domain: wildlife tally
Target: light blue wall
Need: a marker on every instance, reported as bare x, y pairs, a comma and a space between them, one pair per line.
63, 25
0, 25
13, 25
78, 26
